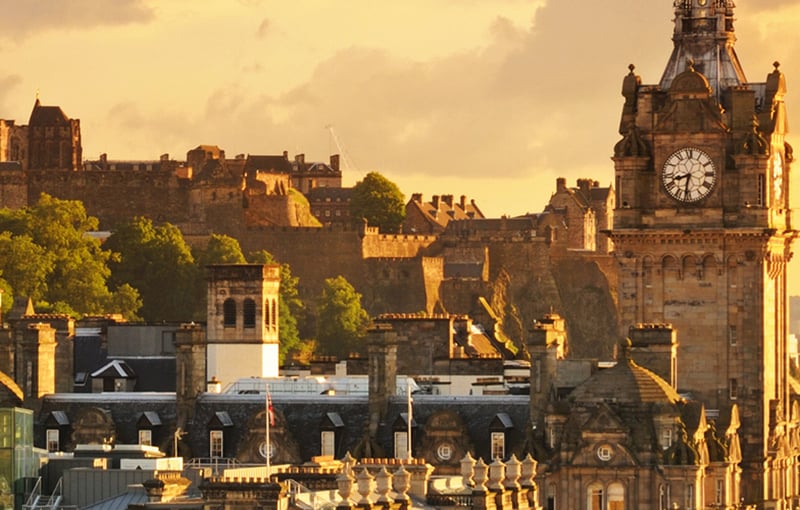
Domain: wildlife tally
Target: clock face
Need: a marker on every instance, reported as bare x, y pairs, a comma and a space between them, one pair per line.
689, 175
777, 176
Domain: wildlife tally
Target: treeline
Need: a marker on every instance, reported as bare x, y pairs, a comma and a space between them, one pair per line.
147, 272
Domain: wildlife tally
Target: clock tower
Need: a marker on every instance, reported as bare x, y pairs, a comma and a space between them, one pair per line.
703, 231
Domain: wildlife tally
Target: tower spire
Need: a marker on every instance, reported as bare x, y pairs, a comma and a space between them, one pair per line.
704, 35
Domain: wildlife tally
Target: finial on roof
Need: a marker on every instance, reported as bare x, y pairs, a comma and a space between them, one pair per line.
690, 64
776, 65
631, 67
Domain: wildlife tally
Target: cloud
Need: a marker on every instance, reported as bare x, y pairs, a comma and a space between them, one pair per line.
23, 18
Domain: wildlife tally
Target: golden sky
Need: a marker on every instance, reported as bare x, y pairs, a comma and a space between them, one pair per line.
490, 99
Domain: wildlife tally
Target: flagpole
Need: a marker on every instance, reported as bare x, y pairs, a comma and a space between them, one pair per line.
267, 419
410, 417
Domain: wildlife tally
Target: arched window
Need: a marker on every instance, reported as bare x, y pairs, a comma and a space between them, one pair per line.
229, 313
274, 314
616, 496
594, 495
249, 313
551, 497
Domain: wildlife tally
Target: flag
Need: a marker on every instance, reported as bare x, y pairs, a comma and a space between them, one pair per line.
270, 410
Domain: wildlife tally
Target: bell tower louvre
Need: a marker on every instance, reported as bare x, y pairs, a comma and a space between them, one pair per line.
703, 231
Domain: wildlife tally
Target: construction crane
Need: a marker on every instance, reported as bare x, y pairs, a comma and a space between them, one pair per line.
348, 163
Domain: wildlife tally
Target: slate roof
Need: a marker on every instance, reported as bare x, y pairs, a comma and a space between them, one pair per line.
320, 193
274, 164
47, 115
626, 382
135, 495
115, 368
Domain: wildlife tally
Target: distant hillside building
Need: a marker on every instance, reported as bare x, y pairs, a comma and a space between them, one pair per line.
432, 217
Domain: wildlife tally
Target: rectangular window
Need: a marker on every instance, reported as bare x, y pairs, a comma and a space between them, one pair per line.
327, 441
733, 335
719, 496
689, 497
400, 445
666, 438
215, 445
146, 437
498, 445
53, 440
762, 190
733, 389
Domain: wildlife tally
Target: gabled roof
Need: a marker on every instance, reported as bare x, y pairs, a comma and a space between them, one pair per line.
332, 420
501, 421
117, 369
220, 419
58, 418
149, 419
443, 209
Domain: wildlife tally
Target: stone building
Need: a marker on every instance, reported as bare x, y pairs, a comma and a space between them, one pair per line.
432, 217
703, 230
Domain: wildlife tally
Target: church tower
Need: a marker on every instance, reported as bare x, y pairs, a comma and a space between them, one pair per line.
242, 336
703, 232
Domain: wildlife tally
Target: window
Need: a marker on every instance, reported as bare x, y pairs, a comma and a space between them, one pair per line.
551, 497
666, 438
761, 187
719, 495
215, 441
146, 437
229, 313
498, 445
274, 314
327, 440
733, 335
537, 378
616, 497
401, 445
551, 437
53, 443
663, 497
595, 497
249, 313
733, 389
689, 497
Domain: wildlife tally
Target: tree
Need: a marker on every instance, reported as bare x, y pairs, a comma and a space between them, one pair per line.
157, 262
290, 307
220, 249
379, 201
73, 263
342, 322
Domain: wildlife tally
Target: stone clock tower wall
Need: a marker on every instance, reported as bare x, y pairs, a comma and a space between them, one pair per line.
703, 230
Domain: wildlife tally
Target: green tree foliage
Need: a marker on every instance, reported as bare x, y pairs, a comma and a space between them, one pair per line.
341, 322
290, 307
220, 249
379, 201
156, 261
50, 243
